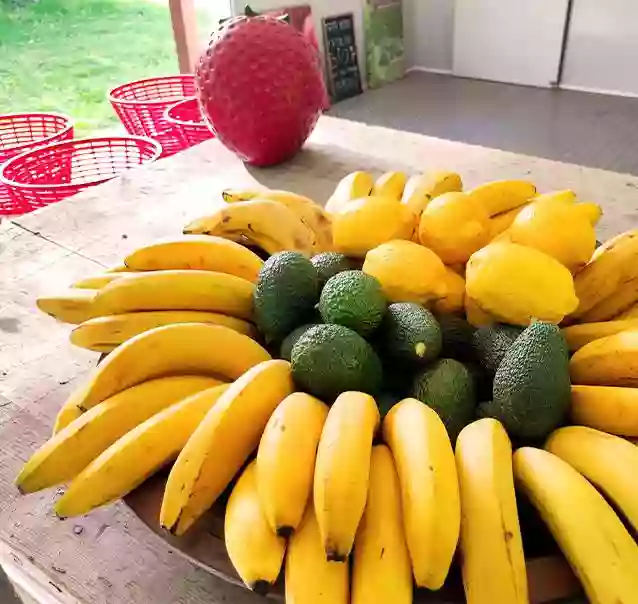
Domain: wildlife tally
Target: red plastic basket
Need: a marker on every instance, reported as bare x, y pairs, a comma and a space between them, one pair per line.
20, 132
49, 174
141, 105
187, 117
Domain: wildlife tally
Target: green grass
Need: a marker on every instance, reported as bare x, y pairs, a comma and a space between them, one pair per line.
63, 55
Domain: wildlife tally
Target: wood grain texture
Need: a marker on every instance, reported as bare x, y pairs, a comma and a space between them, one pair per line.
110, 556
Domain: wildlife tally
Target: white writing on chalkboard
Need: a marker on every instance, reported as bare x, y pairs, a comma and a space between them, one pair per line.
344, 79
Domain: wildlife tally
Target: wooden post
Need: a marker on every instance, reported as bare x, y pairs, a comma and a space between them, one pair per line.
185, 33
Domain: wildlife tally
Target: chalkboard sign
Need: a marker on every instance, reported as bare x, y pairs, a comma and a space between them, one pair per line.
344, 79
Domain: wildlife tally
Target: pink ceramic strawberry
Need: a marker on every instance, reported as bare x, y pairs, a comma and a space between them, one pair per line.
261, 88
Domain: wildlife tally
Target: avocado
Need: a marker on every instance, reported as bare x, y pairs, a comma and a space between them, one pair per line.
290, 340
286, 291
409, 333
447, 387
456, 336
330, 359
531, 392
491, 342
329, 264
354, 300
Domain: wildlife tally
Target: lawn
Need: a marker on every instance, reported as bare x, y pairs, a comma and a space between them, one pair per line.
63, 55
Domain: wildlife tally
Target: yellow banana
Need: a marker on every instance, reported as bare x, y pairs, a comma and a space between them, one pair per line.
140, 453
73, 306
198, 252
256, 552
342, 471
308, 211
610, 361
577, 336
104, 334
607, 408
222, 443
180, 349
270, 222
390, 184
381, 572
606, 271
353, 186
502, 195
97, 281
310, 578
492, 558
423, 188
628, 315
177, 290
562, 196
68, 413
120, 268
429, 488
63, 456
614, 304
235, 195
605, 460
286, 460
593, 539
501, 222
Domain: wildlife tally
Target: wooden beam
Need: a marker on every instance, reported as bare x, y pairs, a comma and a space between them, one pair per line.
184, 23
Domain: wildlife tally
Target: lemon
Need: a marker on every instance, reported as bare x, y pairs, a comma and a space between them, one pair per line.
516, 284
362, 224
560, 230
453, 226
407, 271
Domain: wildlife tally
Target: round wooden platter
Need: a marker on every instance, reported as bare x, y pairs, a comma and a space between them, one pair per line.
550, 578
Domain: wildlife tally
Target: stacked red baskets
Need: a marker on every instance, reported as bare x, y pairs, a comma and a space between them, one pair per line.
20, 132
141, 106
49, 174
187, 117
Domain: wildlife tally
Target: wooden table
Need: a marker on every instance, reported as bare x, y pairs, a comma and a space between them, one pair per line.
109, 556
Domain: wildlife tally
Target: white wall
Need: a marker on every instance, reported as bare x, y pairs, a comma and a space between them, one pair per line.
320, 9
429, 33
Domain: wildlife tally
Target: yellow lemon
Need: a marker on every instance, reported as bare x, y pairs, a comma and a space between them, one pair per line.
453, 226
454, 299
362, 224
407, 271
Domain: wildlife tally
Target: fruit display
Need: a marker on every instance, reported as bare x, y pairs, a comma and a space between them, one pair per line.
414, 387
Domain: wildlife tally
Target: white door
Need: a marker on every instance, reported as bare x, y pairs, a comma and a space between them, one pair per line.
516, 41
602, 47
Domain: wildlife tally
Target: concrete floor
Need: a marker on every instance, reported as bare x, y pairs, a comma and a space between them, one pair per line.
593, 130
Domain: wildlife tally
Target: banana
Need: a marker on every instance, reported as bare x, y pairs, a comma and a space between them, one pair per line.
270, 223
501, 222
342, 471
429, 488
177, 290
577, 336
592, 537
235, 195
605, 460
607, 408
390, 184
502, 195
181, 349
610, 361
423, 188
381, 572
222, 443
104, 334
310, 578
353, 186
73, 306
120, 268
63, 456
613, 305
256, 552
492, 558
563, 196
140, 453
68, 413
97, 281
628, 315
286, 460
198, 252
605, 272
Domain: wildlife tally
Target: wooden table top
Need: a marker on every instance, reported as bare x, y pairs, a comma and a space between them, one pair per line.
109, 556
